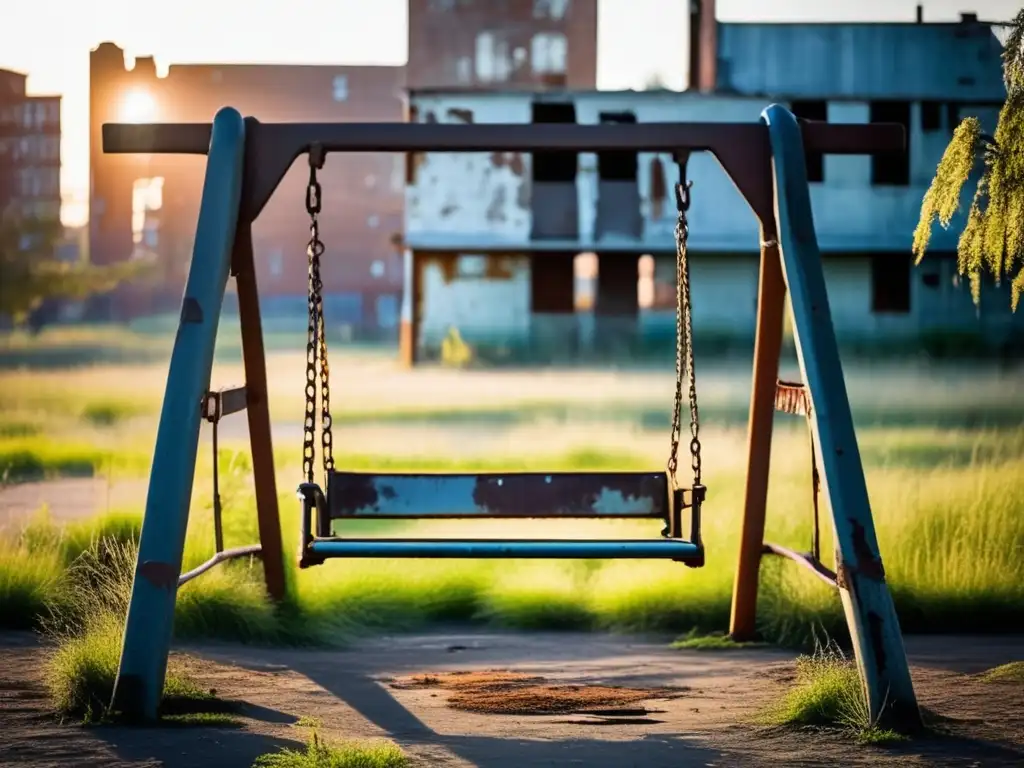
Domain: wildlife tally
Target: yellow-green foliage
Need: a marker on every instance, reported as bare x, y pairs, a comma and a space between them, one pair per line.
992, 241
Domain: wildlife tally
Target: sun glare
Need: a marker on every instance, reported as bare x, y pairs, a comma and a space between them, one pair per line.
137, 106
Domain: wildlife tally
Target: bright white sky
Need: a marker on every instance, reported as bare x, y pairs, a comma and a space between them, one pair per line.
50, 40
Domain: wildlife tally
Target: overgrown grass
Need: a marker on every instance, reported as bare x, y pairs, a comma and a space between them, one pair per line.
1007, 673
948, 513
827, 692
85, 622
371, 753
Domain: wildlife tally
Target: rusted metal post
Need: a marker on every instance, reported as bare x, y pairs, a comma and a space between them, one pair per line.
258, 413
870, 612
767, 346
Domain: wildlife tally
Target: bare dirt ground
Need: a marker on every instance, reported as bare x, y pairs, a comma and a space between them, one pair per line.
698, 713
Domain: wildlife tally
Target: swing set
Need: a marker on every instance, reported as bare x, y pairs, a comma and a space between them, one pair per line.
246, 161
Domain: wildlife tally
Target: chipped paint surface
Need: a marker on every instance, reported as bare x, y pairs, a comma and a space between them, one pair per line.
483, 195
603, 494
484, 296
478, 201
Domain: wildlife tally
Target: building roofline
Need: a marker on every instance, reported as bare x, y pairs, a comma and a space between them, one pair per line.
765, 98
16, 73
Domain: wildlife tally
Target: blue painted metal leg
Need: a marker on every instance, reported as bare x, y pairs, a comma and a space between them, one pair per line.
870, 613
148, 628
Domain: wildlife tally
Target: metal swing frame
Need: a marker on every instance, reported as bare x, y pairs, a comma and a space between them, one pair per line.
246, 160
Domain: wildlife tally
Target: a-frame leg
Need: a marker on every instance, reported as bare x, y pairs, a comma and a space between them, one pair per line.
149, 624
268, 517
771, 303
870, 613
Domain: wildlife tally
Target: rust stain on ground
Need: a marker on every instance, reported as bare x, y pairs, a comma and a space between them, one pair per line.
501, 692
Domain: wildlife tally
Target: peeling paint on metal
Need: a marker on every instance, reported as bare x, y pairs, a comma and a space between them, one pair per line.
600, 494
160, 575
869, 563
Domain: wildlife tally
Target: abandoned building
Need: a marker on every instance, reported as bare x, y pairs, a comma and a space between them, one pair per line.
146, 206
554, 254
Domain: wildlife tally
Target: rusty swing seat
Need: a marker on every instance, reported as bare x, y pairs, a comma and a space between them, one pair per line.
522, 495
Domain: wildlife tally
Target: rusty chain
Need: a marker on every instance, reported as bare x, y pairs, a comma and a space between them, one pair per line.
684, 343
316, 338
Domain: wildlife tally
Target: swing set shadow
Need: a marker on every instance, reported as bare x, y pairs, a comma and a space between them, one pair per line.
765, 160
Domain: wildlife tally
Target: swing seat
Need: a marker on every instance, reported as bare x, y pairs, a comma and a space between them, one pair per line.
521, 495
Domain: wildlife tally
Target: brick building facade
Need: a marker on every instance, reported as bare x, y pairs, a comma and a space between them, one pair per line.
29, 150
492, 44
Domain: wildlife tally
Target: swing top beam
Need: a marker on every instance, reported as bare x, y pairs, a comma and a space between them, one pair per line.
742, 149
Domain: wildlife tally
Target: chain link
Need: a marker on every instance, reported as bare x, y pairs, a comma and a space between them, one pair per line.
684, 345
316, 337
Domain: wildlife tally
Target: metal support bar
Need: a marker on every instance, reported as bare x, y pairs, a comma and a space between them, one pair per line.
522, 494
296, 138
224, 402
741, 148
642, 549
807, 560
222, 556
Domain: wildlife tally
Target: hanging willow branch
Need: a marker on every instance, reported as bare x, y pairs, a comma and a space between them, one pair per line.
992, 241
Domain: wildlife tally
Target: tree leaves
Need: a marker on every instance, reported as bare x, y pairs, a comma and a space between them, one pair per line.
992, 241
31, 273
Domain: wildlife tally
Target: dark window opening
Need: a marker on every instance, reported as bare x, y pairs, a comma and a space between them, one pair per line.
931, 116
812, 110
930, 279
952, 115
891, 168
617, 165
890, 283
554, 166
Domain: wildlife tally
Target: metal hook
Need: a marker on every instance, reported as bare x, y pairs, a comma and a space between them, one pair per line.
683, 196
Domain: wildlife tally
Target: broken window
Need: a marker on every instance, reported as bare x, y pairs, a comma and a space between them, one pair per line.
891, 168
890, 283
617, 165
812, 110
554, 166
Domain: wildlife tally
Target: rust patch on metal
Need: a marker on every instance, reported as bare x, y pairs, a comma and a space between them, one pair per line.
160, 575
351, 493
447, 210
460, 115
869, 563
564, 497
792, 397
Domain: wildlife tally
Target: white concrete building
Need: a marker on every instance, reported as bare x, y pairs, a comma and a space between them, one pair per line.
492, 238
